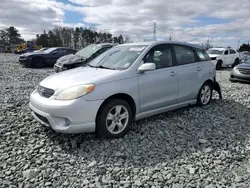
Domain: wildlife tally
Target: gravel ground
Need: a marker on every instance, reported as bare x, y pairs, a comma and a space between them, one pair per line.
191, 147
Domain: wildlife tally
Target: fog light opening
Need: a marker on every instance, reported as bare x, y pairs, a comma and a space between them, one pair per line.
67, 122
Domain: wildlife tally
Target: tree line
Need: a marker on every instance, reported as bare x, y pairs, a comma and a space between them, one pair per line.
10, 35
77, 38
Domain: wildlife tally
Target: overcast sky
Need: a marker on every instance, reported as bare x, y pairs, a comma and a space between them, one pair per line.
224, 22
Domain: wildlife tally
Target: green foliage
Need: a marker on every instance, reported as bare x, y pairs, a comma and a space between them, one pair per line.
75, 37
244, 47
10, 35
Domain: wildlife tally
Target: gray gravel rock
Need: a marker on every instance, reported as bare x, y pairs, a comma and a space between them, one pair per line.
189, 147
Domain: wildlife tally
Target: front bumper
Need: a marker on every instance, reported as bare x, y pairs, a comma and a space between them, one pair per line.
74, 116
25, 62
59, 68
236, 76
239, 79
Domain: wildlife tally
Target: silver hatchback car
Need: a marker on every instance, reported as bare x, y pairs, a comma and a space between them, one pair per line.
126, 83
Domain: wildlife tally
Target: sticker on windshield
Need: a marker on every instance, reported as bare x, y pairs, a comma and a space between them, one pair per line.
137, 49
126, 65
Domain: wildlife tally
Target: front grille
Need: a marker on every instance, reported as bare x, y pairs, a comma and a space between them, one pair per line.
244, 71
45, 92
44, 119
213, 58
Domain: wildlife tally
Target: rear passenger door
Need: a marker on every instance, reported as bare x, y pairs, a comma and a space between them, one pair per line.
188, 71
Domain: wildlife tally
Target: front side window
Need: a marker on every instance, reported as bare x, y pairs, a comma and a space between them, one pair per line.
184, 55
160, 55
119, 57
232, 52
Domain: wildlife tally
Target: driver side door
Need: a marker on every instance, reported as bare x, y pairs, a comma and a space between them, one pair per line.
158, 88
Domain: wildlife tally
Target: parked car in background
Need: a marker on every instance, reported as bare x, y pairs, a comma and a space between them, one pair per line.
128, 82
26, 50
41, 50
244, 56
224, 57
44, 58
81, 57
241, 72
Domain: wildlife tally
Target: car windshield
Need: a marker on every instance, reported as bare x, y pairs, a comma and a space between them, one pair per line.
49, 50
88, 50
119, 57
43, 49
214, 51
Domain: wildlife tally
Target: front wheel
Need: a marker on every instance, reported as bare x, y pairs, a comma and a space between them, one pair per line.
205, 94
236, 62
38, 62
114, 119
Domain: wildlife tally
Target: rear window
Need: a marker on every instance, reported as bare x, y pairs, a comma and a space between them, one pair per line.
202, 55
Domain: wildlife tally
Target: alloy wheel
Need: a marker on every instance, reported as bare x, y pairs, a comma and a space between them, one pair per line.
117, 119
205, 95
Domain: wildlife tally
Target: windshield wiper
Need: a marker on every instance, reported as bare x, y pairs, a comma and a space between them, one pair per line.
102, 67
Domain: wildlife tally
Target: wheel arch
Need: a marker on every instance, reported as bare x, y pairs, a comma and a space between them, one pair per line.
207, 81
122, 96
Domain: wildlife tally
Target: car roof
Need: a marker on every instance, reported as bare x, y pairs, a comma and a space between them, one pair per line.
164, 42
217, 49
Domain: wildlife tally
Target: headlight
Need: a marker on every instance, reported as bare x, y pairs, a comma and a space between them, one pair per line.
75, 92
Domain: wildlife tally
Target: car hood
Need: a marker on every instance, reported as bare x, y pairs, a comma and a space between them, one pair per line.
213, 55
70, 59
32, 53
81, 75
244, 66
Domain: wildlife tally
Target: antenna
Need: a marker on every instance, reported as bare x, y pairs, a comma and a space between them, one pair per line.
154, 31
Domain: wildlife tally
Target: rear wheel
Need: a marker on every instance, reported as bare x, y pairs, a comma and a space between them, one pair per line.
219, 65
205, 94
38, 62
114, 119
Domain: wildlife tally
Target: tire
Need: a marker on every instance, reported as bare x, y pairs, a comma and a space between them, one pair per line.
219, 65
107, 122
38, 62
236, 62
206, 92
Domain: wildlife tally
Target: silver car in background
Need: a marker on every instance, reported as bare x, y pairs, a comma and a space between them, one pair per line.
128, 82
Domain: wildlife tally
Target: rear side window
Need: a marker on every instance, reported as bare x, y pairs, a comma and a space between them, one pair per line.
202, 55
232, 52
184, 54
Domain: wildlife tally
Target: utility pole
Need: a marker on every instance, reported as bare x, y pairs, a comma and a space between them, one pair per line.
238, 45
154, 31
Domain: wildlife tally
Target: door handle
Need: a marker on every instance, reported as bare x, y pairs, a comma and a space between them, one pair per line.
173, 73
199, 69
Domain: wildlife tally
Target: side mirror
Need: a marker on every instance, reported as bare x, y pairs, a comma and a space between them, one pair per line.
54, 53
146, 67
